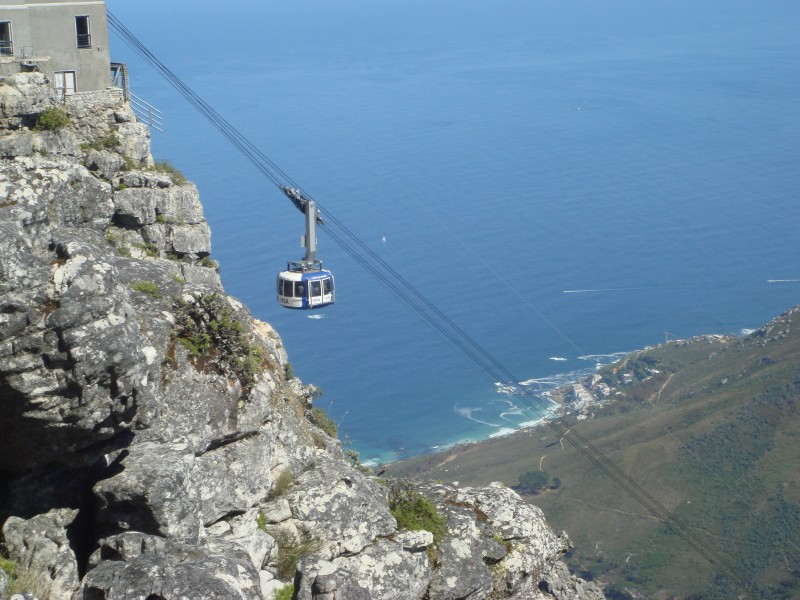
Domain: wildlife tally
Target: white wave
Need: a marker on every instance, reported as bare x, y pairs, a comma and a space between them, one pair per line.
534, 423
558, 358
552, 380
745, 331
458, 443
469, 414
512, 411
782, 280
605, 357
502, 432
316, 316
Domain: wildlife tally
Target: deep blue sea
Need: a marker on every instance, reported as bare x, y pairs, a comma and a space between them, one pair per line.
564, 180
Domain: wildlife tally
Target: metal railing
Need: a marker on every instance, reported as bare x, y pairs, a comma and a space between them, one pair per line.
146, 112
6, 48
119, 78
84, 40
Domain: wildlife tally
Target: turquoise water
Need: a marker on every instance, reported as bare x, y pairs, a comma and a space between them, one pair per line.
565, 181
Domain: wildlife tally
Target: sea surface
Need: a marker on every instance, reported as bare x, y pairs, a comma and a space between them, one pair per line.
565, 181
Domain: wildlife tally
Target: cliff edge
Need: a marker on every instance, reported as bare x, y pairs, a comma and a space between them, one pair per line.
152, 444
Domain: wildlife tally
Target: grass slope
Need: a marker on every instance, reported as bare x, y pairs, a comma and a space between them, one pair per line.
714, 436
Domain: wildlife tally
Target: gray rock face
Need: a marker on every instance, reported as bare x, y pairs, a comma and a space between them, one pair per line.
136, 566
153, 493
340, 507
383, 570
21, 97
557, 582
74, 369
151, 445
41, 546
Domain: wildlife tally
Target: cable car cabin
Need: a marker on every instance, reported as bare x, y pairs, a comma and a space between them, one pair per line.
305, 285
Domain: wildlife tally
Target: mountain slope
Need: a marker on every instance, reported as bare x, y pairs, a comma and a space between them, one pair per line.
709, 427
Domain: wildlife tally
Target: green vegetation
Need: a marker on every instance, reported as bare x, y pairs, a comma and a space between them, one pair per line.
320, 418
166, 219
146, 287
288, 371
209, 330
197, 344
290, 550
414, 512
533, 482
282, 483
164, 166
111, 235
285, 593
128, 164
712, 435
108, 141
21, 581
114, 237
261, 521
150, 250
9, 566
51, 119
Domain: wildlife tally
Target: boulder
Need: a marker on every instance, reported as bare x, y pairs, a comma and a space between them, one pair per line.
104, 163
151, 489
40, 546
340, 507
135, 566
386, 569
556, 582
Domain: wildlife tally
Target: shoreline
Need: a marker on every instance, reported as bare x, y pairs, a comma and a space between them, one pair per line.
588, 389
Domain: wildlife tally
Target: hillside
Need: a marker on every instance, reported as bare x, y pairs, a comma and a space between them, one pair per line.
709, 426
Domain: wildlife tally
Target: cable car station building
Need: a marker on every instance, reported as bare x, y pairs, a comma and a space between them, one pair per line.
67, 41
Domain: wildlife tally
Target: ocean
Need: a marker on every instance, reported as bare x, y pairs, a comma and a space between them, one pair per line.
566, 181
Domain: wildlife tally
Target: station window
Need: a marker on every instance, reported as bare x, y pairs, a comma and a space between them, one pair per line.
6, 46
82, 30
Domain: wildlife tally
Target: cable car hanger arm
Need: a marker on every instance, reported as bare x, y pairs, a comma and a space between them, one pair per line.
300, 201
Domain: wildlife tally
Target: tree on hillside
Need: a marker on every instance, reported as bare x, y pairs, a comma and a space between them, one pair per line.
533, 482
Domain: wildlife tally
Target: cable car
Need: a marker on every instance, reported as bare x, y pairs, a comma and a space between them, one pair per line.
305, 284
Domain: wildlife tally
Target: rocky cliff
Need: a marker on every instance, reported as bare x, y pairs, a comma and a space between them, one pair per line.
152, 444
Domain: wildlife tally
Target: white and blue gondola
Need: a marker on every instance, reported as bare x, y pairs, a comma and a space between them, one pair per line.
305, 285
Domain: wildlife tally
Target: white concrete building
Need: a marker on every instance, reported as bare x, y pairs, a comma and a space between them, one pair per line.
65, 40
